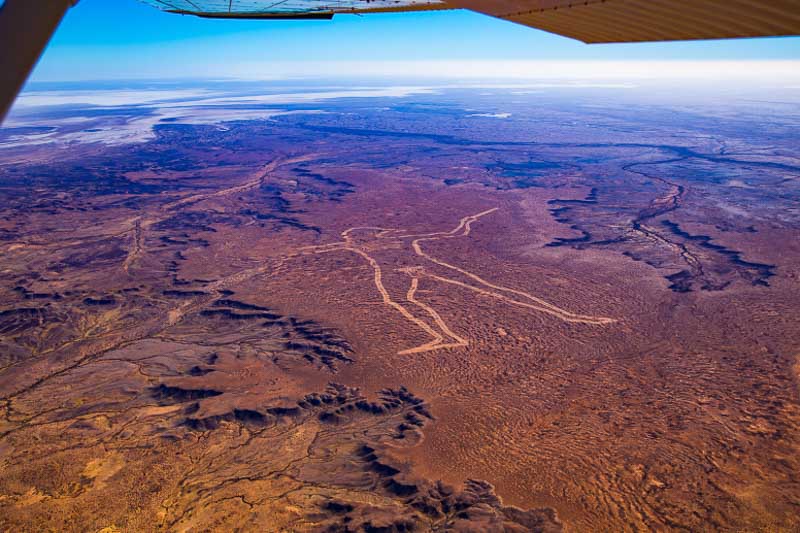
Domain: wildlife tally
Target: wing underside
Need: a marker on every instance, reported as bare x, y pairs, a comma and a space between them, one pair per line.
290, 9
607, 21
591, 21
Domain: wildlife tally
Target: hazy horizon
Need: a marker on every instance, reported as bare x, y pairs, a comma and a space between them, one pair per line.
127, 39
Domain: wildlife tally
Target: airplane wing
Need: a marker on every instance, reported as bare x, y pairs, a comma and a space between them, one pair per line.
290, 9
624, 21
26, 25
590, 21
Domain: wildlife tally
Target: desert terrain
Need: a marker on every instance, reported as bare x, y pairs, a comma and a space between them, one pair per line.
418, 309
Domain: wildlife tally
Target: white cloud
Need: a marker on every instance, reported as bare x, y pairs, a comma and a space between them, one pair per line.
491, 115
785, 71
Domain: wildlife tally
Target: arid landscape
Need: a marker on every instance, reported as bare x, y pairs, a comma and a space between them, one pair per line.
399, 309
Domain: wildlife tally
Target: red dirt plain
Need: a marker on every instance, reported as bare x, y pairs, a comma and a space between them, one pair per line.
294, 326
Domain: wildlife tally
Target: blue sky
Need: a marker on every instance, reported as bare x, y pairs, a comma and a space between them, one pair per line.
117, 39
